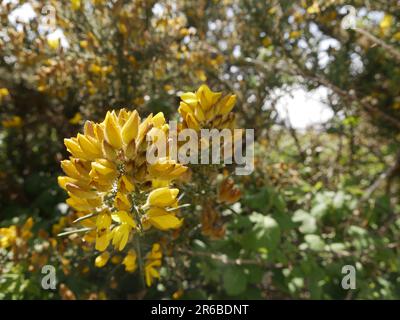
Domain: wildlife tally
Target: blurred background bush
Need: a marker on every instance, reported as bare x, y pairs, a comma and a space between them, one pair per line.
323, 194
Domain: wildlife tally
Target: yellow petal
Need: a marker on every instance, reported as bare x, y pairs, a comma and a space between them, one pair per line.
80, 192
89, 148
108, 151
88, 129
162, 197
207, 97
102, 241
124, 217
131, 128
102, 259
130, 150
184, 109
228, 106
103, 221
73, 148
120, 236
192, 123
130, 261
126, 185
79, 204
199, 114
158, 120
112, 131
162, 219
189, 98
63, 180
69, 169
101, 169
122, 202
123, 116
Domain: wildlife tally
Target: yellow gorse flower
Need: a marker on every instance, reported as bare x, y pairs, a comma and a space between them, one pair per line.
160, 203
8, 236
4, 92
130, 261
54, 43
153, 263
114, 189
76, 119
76, 4
207, 109
13, 234
102, 259
13, 122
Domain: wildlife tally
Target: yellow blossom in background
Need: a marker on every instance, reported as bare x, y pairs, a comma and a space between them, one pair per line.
314, 8
84, 44
102, 259
8, 236
76, 119
4, 93
130, 261
53, 43
386, 22
153, 263
266, 41
294, 35
396, 36
94, 68
14, 122
25, 232
168, 88
98, 2
116, 259
76, 4
201, 75
207, 109
122, 28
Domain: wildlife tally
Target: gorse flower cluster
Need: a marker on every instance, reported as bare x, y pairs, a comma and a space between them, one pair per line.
10, 236
117, 194
207, 109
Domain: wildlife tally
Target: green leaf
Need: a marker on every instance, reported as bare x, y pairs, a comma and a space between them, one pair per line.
254, 274
234, 280
308, 222
314, 242
260, 201
264, 234
319, 210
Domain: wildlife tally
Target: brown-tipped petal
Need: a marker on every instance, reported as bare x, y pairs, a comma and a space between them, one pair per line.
108, 151
130, 150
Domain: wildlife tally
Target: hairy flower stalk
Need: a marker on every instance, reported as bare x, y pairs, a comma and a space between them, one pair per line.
115, 191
